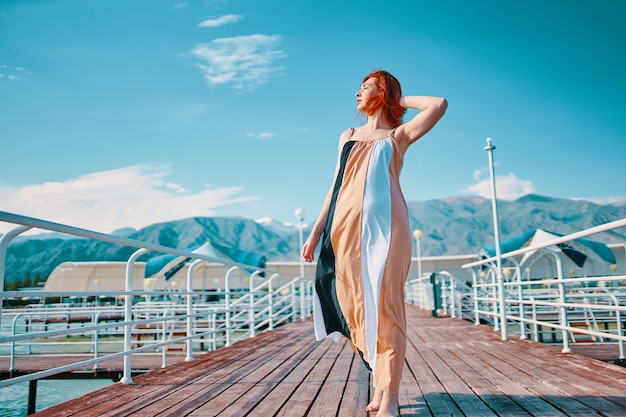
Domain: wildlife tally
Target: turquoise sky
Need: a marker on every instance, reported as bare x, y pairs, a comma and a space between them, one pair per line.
129, 112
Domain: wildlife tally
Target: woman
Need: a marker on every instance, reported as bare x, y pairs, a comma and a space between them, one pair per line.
366, 246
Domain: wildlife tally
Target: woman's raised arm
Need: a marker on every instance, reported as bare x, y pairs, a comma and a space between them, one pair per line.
431, 110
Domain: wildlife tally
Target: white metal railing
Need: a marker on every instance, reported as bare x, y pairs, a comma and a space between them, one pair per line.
183, 319
563, 308
441, 292
552, 310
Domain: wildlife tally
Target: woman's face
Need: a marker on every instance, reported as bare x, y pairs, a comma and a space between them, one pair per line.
367, 90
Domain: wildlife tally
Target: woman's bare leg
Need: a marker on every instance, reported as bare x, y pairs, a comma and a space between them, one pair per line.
374, 405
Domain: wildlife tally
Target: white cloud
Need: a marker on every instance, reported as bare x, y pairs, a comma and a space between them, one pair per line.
134, 196
260, 135
241, 61
508, 187
220, 21
480, 172
12, 73
177, 188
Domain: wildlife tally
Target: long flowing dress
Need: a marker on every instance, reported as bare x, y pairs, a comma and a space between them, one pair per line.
364, 259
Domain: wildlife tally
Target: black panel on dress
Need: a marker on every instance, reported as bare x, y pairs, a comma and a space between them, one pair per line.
325, 274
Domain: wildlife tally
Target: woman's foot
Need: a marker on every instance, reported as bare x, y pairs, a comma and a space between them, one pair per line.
374, 405
388, 405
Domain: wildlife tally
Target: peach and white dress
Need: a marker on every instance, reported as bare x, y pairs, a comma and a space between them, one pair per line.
365, 258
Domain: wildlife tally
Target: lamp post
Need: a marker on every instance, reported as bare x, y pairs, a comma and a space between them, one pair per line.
300, 213
417, 234
496, 231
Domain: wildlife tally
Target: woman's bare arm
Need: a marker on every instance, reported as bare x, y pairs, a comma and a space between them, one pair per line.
431, 110
308, 249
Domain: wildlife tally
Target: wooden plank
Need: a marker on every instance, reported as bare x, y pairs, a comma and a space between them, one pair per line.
197, 393
457, 389
533, 394
411, 401
446, 330
357, 393
276, 399
437, 399
607, 351
601, 372
239, 398
595, 393
161, 393
153, 386
452, 367
299, 404
328, 401
479, 381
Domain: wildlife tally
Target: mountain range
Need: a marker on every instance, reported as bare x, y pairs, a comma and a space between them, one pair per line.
450, 226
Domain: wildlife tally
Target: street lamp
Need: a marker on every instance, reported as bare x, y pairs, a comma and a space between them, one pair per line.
496, 232
417, 234
300, 213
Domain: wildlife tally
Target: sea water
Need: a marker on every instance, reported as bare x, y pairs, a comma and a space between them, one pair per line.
14, 398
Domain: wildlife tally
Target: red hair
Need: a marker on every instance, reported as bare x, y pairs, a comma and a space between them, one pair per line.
387, 99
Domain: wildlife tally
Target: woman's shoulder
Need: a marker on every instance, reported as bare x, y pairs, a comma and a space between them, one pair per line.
346, 134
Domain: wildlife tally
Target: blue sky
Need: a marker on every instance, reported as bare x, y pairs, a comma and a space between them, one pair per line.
129, 112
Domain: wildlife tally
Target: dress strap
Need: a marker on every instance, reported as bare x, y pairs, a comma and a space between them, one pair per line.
393, 134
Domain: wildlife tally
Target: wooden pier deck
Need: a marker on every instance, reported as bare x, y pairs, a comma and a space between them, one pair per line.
453, 368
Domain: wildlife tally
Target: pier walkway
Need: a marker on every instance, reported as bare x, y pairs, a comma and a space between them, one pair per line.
453, 368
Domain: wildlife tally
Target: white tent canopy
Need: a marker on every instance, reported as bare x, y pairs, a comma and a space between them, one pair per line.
94, 276
111, 276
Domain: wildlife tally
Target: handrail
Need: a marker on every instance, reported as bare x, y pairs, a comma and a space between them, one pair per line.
566, 309
271, 307
90, 234
168, 315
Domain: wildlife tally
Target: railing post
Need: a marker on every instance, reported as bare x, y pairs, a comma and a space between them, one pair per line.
494, 302
164, 339
189, 357
294, 311
128, 315
5, 239
214, 330
310, 296
13, 332
521, 304
562, 309
444, 297
475, 290
95, 341
270, 292
534, 316
227, 305
252, 313
452, 297
620, 331
302, 291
